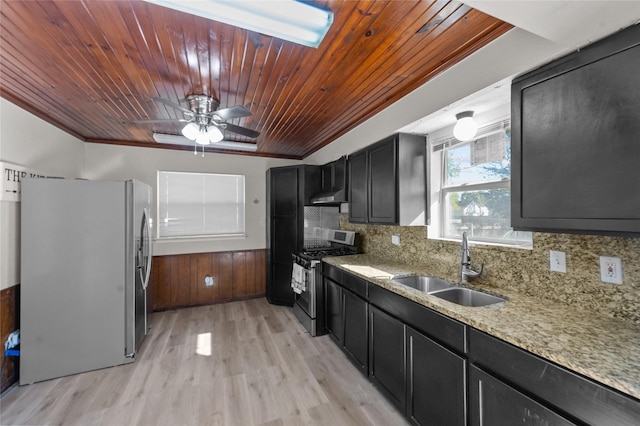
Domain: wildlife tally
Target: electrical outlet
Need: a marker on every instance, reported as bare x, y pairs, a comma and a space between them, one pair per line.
611, 270
395, 239
557, 261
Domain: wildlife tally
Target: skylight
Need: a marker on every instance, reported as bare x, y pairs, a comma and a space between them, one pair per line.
291, 20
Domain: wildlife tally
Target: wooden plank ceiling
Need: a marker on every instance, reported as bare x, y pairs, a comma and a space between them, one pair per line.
89, 67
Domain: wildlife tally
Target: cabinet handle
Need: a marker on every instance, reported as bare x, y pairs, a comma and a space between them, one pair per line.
480, 404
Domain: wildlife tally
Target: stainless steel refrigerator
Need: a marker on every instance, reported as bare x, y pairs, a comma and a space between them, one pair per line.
85, 265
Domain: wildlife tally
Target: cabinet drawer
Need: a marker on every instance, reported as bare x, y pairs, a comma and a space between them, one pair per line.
355, 284
447, 331
492, 402
582, 398
332, 272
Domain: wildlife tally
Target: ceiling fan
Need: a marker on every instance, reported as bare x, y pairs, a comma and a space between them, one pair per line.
205, 123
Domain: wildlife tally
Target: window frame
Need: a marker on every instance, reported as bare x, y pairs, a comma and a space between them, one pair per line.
439, 190
203, 236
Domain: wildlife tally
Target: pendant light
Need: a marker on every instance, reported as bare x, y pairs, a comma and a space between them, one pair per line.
465, 128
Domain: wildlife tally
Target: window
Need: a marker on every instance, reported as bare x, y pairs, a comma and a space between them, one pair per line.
471, 187
200, 204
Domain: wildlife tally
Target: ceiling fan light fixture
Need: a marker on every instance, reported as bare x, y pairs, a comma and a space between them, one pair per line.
202, 139
214, 134
191, 131
466, 127
291, 20
181, 140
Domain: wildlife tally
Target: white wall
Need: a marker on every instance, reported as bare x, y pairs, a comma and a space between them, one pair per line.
27, 141
124, 162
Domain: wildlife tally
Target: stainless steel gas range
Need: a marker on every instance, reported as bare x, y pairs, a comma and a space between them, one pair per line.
306, 278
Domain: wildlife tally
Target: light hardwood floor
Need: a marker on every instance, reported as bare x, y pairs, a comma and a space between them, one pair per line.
241, 363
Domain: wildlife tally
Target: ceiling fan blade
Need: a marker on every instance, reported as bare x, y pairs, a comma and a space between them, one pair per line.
237, 111
171, 104
242, 130
177, 120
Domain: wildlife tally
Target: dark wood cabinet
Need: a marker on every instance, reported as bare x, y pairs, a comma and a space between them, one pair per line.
355, 329
334, 175
358, 195
326, 173
346, 313
387, 182
436, 383
447, 331
288, 190
334, 311
575, 149
387, 356
437, 370
417, 372
494, 403
554, 387
382, 189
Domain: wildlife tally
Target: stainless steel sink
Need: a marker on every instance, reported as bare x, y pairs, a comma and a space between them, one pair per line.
468, 297
425, 283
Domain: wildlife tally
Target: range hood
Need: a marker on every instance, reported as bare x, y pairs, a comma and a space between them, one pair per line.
334, 197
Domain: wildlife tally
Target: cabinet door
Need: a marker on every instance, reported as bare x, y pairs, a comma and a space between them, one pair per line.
358, 187
383, 206
355, 328
494, 403
326, 174
334, 310
284, 233
387, 355
339, 174
435, 383
575, 143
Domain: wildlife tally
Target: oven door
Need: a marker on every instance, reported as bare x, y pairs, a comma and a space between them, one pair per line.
307, 299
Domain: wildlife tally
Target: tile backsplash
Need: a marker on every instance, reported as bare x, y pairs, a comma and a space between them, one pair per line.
526, 271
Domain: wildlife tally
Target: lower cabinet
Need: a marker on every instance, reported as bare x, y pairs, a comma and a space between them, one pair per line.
425, 380
438, 371
436, 385
347, 322
494, 403
333, 310
554, 389
355, 328
387, 355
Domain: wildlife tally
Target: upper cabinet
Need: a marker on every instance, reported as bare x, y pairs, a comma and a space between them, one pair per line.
387, 182
576, 141
333, 179
334, 175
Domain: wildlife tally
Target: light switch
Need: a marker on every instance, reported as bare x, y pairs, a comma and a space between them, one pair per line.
557, 261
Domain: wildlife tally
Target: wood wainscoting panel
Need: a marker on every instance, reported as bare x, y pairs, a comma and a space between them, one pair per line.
9, 321
179, 280
227, 278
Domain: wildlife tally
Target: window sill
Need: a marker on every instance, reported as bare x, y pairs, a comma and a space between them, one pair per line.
472, 242
204, 238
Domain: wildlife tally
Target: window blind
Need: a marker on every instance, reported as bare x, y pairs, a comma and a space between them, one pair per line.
200, 204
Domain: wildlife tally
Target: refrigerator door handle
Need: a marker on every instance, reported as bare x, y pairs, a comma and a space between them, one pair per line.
145, 281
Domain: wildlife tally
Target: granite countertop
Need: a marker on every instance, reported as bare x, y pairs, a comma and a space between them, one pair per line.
604, 349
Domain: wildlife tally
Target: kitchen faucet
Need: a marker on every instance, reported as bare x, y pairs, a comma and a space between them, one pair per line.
466, 272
